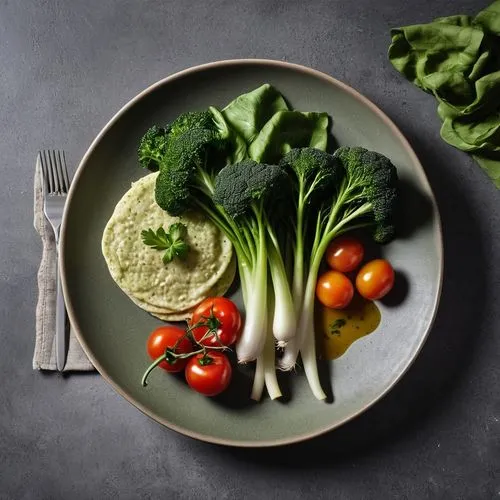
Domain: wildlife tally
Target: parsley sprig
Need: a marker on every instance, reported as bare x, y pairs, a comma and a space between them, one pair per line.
172, 242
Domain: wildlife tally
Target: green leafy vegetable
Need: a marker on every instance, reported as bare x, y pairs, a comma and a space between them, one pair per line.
172, 242
237, 147
457, 59
287, 130
270, 128
248, 113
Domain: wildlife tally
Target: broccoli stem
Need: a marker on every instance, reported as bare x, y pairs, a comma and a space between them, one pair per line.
245, 277
289, 256
204, 179
249, 242
298, 268
253, 336
227, 226
217, 220
284, 319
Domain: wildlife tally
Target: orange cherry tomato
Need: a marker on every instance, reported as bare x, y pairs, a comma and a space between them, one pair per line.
344, 254
375, 279
334, 290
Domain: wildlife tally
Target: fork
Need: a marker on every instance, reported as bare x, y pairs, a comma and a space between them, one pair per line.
55, 186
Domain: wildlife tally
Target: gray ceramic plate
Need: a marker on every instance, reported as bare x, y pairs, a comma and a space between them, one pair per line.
113, 331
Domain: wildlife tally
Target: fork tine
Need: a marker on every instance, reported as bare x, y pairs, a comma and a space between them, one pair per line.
60, 171
56, 171
44, 173
62, 159
52, 174
48, 171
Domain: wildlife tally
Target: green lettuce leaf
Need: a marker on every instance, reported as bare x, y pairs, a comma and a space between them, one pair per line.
248, 113
259, 125
287, 130
457, 59
491, 167
238, 146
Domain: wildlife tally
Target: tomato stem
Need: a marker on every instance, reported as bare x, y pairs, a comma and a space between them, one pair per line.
170, 357
151, 367
205, 359
212, 323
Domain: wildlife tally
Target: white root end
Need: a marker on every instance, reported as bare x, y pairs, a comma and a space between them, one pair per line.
290, 355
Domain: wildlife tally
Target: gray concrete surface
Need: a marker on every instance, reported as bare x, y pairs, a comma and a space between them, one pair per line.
65, 69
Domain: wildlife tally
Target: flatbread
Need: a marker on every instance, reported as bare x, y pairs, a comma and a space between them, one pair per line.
219, 289
138, 269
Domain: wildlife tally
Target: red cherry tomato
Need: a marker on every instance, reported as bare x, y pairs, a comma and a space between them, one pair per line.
375, 279
222, 316
334, 290
166, 337
209, 373
344, 254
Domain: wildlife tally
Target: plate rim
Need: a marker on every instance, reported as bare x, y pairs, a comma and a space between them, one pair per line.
420, 172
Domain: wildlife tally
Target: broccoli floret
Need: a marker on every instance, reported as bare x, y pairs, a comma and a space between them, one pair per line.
153, 147
239, 186
192, 120
172, 191
182, 169
315, 172
370, 183
307, 162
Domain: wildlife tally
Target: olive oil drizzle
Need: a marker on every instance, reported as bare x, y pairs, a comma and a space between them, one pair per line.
338, 329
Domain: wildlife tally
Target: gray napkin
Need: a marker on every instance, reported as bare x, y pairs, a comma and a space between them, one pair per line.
44, 357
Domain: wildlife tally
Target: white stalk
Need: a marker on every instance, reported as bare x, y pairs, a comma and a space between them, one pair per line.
284, 324
269, 355
308, 354
306, 320
253, 336
258, 380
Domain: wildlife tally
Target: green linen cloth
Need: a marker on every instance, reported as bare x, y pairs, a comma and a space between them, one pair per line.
457, 59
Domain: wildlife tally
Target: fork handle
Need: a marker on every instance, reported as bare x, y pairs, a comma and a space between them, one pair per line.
60, 324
